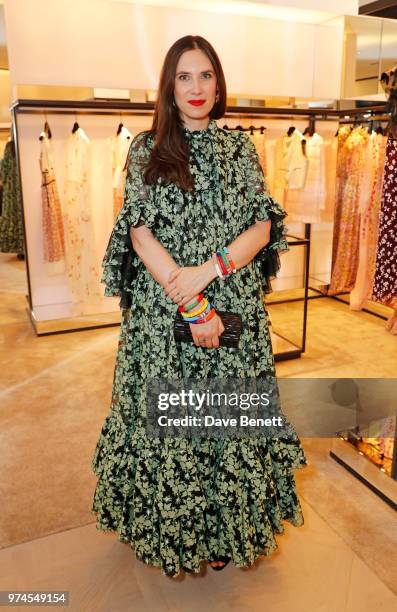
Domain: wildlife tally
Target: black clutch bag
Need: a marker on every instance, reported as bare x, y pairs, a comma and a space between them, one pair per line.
230, 337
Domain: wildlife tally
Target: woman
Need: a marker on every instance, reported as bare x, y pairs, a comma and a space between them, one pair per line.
192, 189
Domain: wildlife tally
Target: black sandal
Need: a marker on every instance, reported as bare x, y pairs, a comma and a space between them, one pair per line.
217, 568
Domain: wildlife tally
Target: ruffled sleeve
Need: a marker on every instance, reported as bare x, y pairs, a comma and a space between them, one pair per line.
264, 207
120, 261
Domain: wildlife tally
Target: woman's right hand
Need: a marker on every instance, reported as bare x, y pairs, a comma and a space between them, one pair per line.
207, 334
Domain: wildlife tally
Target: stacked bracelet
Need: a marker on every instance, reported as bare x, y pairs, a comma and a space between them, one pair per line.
224, 265
193, 305
200, 311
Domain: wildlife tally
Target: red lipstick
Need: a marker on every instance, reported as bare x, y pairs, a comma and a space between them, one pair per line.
196, 102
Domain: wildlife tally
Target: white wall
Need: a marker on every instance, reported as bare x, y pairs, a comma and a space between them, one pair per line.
5, 96
342, 7
116, 44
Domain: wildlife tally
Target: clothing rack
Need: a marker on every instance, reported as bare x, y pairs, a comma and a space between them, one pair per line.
359, 116
115, 106
250, 129
119, 108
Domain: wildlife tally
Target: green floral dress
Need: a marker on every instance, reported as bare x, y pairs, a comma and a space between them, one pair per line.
11, 224
179, 501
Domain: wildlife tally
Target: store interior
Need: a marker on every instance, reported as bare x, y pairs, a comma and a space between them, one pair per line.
296, 74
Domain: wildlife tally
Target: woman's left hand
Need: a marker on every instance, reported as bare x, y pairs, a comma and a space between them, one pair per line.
185, 283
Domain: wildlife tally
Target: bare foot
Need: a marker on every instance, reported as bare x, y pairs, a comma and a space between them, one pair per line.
217, 563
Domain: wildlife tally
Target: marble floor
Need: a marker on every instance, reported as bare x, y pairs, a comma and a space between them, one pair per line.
55, 393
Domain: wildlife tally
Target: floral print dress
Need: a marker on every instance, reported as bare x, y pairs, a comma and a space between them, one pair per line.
11, 222
352, 146
385, 282
179, 501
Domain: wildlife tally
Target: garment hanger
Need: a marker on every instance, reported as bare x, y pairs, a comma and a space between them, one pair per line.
291, 130
251, 129
262, 128
46, 131
120, 126
75, 125
337, 131
357, 123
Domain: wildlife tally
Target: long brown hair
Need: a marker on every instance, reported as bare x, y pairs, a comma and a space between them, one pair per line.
170, 154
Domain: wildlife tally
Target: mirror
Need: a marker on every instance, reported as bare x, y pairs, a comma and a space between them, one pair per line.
370, 47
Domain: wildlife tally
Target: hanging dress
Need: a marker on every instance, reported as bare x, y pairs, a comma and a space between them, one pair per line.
82, 270
259, 141
290, 166
120, 145
53, 233
345, 244
1, 192
179, 501
11, 222
385, 283
306, 204
371, 182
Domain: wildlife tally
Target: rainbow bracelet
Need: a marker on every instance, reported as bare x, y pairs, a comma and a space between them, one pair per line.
203, 305
202, 315
224, 260
230, 260
210, 315
196, 302
224, 265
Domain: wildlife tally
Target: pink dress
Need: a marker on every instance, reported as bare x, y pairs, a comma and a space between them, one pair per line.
370, 199
345, 246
